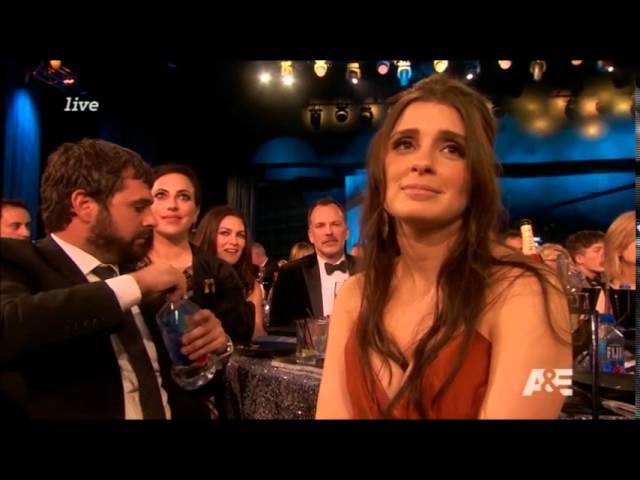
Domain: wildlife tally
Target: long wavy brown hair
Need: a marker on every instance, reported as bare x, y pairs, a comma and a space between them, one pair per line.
206, 238
469, 268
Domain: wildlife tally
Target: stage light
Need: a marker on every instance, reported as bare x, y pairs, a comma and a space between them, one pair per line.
440, 65
505, 64
286, 72
576, 63
472, 69
592, 129
353, 72
342, 113
366, 116
320, 68
383, 67
404, 72
537, 69
61, 77
605, 66
265, 77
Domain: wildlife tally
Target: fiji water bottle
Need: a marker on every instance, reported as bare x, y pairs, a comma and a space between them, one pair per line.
174, 320
610, 346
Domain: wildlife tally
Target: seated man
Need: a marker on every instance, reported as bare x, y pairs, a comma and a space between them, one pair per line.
73, 343
15, 221
586, 248
307, 287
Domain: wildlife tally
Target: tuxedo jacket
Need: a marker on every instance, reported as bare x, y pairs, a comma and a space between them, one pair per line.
56, 355
298, 291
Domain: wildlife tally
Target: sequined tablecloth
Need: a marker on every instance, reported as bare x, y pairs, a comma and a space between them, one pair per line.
255, 389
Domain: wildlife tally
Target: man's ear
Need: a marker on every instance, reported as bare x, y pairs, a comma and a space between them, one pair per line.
579, 259
83, 206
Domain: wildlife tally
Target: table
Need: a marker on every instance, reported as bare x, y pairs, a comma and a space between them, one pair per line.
255, 389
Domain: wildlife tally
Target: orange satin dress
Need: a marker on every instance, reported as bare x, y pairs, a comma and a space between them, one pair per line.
461, 400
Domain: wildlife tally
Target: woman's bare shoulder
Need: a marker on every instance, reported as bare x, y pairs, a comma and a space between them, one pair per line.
350, 295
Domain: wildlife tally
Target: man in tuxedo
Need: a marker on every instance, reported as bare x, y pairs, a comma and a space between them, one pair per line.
73, 343
308, 286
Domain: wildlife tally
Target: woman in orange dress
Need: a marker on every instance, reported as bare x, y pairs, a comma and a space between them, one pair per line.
444, 322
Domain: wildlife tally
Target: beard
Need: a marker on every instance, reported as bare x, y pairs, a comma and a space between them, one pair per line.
114, 249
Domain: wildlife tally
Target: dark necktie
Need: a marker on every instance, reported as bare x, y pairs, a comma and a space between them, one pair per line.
342, 267
129, 335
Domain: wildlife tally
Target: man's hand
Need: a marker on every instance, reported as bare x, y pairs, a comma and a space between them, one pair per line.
206, 336
161, 278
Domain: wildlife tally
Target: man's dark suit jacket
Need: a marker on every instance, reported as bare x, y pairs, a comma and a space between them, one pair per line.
56, 356
298, 291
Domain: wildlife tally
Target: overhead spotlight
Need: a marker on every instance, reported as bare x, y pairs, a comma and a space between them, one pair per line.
265, 77
286, 72
605, 66
59, 77
592, 129
505, 64
541, 125
576, 63
622, 106
472, 69
366, 116
353, 72
320, 68
537, 69
315, 117
404, 72
440, 65
383, 67
342, 113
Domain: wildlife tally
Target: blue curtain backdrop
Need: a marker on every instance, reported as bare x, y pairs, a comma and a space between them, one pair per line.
21, 167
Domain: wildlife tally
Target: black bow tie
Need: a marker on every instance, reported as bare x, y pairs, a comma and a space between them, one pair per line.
342, 267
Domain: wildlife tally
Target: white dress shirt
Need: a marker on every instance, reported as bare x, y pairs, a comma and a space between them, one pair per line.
128, 293
330, 284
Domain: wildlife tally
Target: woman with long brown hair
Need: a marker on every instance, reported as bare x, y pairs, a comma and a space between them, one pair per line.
444, 322
223, 233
